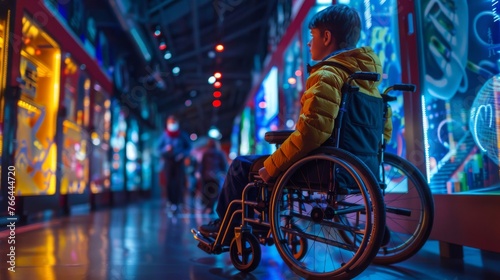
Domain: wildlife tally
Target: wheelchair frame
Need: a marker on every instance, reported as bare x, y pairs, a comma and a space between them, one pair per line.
368, 242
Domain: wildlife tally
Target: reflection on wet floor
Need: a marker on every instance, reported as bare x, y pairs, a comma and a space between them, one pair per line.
147, 241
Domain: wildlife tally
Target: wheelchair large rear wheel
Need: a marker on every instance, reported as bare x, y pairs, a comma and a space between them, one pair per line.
321, 199
409, 210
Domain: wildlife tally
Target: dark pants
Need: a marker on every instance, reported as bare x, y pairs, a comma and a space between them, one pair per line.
176, 180
235, 182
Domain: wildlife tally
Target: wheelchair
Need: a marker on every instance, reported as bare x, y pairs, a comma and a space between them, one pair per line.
326, 214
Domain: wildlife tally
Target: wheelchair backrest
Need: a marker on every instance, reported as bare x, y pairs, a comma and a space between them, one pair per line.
359, 125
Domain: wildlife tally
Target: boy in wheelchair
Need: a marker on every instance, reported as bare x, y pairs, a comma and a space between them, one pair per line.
335, 32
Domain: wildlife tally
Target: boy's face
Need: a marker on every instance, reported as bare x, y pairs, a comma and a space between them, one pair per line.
319, 45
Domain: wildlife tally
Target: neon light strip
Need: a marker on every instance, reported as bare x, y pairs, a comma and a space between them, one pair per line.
426, 141
496, 96
140, 43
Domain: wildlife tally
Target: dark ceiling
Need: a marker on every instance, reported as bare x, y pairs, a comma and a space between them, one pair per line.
191, 29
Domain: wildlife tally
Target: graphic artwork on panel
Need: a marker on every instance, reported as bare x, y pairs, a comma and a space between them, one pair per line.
74, 158
460, 54
484, 119
31, 153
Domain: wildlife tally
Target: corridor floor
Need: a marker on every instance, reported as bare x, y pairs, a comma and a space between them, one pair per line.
145, 241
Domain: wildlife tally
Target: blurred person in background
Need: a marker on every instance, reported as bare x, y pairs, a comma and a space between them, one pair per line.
192, 175
213, 168
174, 146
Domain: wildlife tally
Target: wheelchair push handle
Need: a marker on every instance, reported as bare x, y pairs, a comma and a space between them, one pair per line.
368, 76
400, 87
404, 87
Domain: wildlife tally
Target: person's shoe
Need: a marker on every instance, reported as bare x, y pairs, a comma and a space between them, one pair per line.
211, 229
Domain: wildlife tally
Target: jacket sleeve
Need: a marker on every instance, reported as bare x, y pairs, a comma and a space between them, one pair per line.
161, 143
320, 105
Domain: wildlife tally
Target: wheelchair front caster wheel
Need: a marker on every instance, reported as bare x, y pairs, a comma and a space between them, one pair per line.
249, 258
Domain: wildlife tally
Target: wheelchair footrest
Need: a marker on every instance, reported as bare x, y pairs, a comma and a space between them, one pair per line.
204, 243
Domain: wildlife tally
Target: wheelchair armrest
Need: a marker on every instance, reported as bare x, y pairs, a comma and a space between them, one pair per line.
277, 137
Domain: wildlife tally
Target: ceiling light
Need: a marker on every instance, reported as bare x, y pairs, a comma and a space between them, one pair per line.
168, 55
176, 70
163, 46
214, 133
216, 103
219, 47
157, 32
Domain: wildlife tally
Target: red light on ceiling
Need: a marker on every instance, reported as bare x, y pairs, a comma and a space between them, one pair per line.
216, 103
162, 46
217, 94
217, 75
219, 47
217, 84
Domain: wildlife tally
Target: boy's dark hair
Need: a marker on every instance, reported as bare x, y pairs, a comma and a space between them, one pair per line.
342, 21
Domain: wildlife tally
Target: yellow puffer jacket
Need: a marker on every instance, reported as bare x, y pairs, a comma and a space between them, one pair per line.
320, 105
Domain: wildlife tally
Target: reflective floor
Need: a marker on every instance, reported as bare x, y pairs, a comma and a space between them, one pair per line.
144, 241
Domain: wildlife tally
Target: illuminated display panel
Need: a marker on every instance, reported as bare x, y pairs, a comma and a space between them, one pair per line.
266, 111
146, 163
117, 143
36, 153
75, 161
100, 166
292, 82
247, 141
132, 166
234, 150
460, 55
